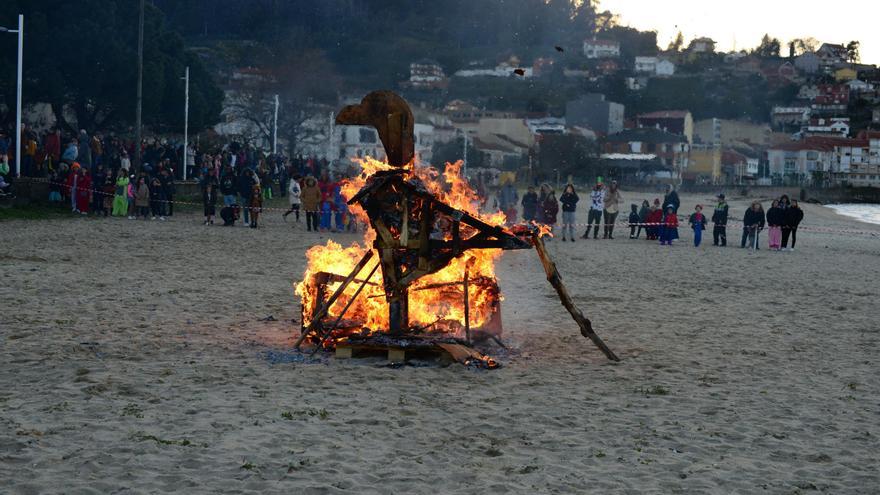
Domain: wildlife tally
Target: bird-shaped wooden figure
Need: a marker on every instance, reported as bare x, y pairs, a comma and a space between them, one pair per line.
393, 120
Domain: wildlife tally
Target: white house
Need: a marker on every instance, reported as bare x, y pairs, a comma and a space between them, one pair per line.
834, 127
790, 115
424, 134
357, 141
665, 68
857, 86
601, 49
654, 66
646, 64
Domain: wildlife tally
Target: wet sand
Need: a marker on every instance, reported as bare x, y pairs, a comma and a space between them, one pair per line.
133, 360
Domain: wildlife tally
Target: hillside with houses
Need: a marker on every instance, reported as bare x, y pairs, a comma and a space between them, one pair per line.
688, 114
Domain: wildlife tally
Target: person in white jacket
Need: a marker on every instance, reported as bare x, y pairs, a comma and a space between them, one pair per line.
294, 191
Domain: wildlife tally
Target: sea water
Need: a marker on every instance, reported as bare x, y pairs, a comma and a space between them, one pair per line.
865, 212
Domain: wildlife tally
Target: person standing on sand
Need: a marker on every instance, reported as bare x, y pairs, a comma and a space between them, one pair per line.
634, 220
256, 204
550, 209
753, 223
793, 217
654, 220
719, 220
294, 192
644, 211
612, 209
669, 227
99, 179
507, 199
597, 206
671, 198
698, 223
142, 198
245, 185
529, 204
83, 191
311, 201
569, 200
775, 220
210, 187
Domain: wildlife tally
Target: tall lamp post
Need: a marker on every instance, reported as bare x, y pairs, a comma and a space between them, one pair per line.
275, 129
20, 32
186, 124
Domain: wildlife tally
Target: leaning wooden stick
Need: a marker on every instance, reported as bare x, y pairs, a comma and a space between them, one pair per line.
316, 318
323, 336
556, 281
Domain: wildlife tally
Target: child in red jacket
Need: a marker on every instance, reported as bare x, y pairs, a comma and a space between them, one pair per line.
669, 229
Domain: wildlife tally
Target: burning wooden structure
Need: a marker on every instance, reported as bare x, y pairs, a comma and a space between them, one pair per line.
425, 248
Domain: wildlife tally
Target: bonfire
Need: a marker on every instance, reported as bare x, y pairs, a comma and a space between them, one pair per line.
432, 283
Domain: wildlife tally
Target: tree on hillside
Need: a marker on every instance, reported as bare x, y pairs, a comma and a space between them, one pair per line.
81, 58
769, 47
852, 52
804, 45
677, 44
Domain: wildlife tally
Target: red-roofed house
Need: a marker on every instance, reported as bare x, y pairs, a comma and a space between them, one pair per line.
679, 122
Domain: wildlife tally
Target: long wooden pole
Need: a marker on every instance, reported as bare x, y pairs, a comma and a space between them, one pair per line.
316, 318
556, 281
467, 305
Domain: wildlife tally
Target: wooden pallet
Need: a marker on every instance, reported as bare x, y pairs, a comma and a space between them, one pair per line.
394, 354
446, 352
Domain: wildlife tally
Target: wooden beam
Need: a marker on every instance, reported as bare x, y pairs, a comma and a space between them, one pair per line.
316, 318
556, 281
325, 334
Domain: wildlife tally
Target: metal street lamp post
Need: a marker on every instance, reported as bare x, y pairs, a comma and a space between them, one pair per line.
20, 32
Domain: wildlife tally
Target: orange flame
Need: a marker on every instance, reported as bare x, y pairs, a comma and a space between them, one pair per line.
426, 307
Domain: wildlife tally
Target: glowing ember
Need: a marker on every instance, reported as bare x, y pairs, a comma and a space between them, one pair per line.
437, 297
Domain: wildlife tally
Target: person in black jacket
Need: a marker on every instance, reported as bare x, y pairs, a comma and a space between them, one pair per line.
228, 186
569, 201
245, 184
530, 204
719, 220
99, 179
634, 220
671, 198
167, 194
793, 217
753, 223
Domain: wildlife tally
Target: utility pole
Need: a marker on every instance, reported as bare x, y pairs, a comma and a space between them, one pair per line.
464, 155
18, 129
275, 129
140, 88
186, 124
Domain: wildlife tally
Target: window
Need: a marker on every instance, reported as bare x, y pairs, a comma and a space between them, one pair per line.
367, 136
812, 155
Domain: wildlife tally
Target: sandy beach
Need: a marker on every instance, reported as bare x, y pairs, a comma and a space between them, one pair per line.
134, 359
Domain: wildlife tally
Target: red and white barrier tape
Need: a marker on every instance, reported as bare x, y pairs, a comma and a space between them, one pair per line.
623, 224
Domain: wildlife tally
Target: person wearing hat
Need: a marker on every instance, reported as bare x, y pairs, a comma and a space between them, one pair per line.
719, 220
